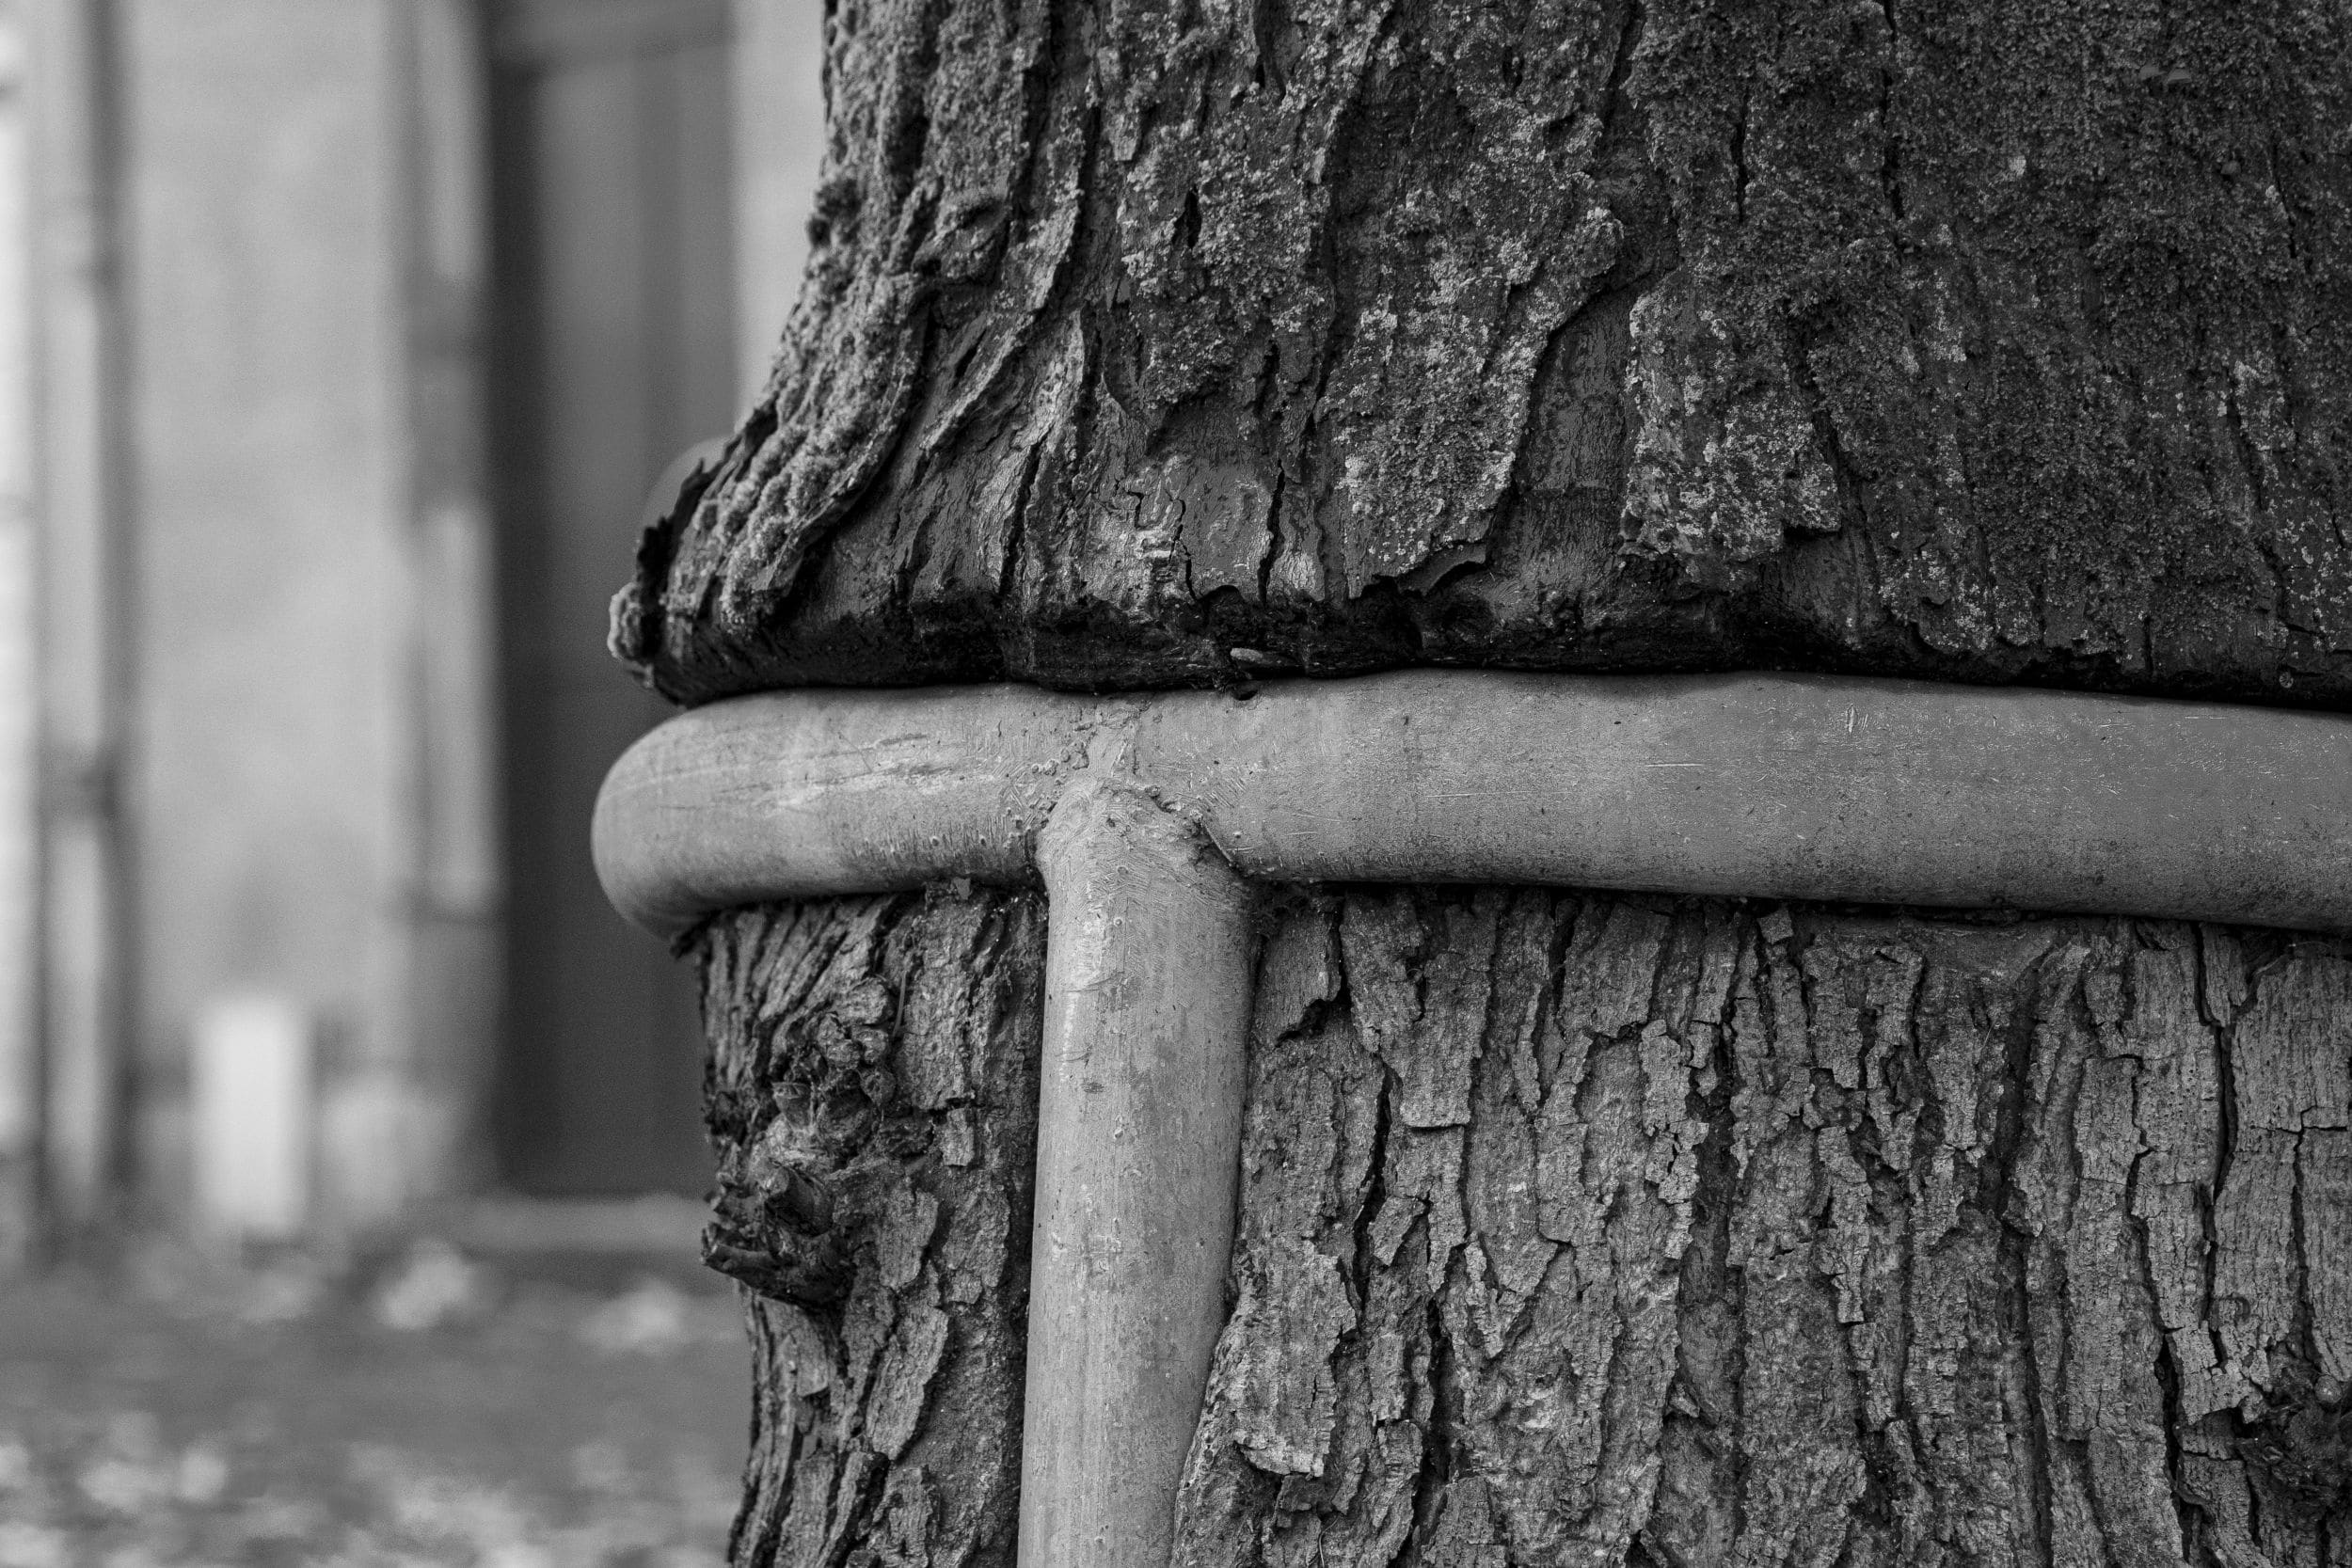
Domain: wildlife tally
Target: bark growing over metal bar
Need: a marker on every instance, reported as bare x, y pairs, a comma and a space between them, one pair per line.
1615, 1229
1150, 344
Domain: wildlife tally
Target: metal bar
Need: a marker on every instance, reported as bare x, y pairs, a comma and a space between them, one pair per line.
1755, 785
1758, 785
1139, 1153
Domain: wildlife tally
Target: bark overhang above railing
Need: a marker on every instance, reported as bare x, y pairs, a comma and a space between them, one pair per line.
1789, 786
1138, 810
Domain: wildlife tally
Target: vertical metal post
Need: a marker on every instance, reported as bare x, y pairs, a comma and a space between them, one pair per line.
1138, 1148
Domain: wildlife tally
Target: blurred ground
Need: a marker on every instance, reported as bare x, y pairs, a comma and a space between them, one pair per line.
422, 1407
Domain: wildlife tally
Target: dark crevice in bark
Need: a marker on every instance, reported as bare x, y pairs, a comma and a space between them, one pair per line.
2001, 1200
1739, 152
1429, 1493
1890, 165
2225, 1154
2186, 1516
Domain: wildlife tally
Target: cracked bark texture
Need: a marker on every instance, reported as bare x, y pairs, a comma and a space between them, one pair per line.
873, 1095
1148, 344
1600, 1229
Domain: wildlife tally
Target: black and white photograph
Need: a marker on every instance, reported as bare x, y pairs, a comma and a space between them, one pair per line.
1175, 784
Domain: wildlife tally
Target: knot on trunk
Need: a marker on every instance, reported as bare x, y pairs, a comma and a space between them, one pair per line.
795, 1163
2303, 1448
777, 1224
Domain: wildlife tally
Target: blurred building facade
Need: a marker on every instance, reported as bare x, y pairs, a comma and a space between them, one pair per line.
343, 339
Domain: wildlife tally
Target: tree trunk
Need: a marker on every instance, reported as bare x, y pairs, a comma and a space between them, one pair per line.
1145, 344
1595, 1230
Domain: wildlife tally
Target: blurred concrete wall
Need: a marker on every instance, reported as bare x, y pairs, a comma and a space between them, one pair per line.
779, 139
276, 610
246, 441
20, 1074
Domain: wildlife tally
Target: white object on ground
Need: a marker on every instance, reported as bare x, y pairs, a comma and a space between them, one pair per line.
253, 1081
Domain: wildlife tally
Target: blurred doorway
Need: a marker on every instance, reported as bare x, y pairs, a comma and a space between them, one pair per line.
614, 351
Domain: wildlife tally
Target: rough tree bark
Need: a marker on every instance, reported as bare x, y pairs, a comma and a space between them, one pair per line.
1150, 342
1594, 1231
1145, 340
